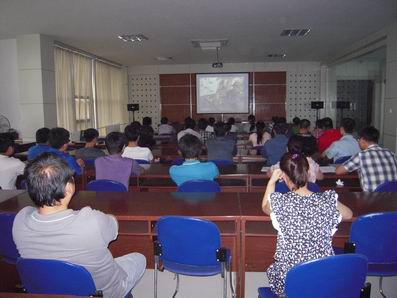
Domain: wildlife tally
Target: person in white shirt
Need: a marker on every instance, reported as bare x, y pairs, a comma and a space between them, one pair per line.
133, 151
190, 124
165, 128
233, 128
210, 126
347, 145
10, 167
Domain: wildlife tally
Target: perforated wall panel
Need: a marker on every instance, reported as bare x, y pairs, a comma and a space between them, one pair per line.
302, 89
144, 90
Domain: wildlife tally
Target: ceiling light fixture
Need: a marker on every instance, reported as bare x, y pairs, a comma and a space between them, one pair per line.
163, 58
282, 56
209, 44
133, 37
295, 32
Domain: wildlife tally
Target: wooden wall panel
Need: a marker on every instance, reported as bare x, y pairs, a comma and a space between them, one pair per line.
175, 79
175, 113
270, 77
175, 95
265, 111
270, 93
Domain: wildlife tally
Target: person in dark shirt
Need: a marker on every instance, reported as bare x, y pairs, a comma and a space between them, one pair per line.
221, 147
309, 142
89, 152
273, 149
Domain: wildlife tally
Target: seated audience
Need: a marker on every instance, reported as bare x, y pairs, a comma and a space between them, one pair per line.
295, 125
59, 139
133, 150
53, 231
347, 145
10, 167
190, 148
89, 152
251, 122
114, 166
273, 149
41, 143
309, 142
190, 125
329, 135
295, 145
222, 147
375, 165
147, 122
319, 129
146, 137
305, 221
232, 122
210, 126
165, 128
205, 135
260, 136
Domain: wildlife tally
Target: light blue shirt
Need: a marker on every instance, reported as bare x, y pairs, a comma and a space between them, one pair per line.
346, 146
192, 170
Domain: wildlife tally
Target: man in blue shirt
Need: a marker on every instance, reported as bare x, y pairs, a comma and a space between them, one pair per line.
347, 145
41, 143
59, 139
274, 149
190, 147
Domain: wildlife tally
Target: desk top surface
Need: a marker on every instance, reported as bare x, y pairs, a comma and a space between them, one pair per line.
225, 206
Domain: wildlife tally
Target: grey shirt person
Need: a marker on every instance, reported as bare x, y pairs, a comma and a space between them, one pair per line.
89, 153
221, 148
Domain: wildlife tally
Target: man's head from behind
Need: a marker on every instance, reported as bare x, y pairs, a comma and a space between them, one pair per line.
59, 138
49, 180
368, 135
115, 142
347, 126
220, 129
190, 146
327, 123
42, 135
6, 146
304, 126
132, 133
190, 123
90, 135
280, 128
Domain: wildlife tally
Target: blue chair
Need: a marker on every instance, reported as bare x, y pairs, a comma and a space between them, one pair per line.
8, 250
106, 185
178, 161
388, 186
89, 162
283, 188
342, 159
222, 162
329, 277
374, 235
142, 161
55, 277
199, 186
190, 246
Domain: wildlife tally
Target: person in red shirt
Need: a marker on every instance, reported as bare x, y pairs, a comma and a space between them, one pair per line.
329, 136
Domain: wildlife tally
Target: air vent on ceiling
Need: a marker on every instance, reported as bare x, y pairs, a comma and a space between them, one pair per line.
282, 56
133, 37
209, 44
295, 32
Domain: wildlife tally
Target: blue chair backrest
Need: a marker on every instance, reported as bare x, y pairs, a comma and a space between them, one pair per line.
221, 162
342, 159
388, 186
329, 277
187, 240
55, 277
199, 186
89, 162
283, 188
375, 237
106, 185
142, 161
8, 249
178, 161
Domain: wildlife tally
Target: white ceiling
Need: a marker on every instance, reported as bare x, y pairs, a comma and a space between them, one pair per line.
252, 26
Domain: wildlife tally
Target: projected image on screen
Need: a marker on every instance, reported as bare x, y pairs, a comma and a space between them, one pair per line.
222, 93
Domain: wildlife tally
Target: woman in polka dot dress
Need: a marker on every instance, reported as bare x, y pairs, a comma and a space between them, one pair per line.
305, 221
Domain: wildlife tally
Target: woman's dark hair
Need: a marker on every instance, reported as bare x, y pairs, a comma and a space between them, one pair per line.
348, 125
42, 135
220, 129
295, 144
147, 121
146, 137
5, 143
132, 132
296, 167
296, 121
202, 124
190, 146
190, 123
211, 121
231, 121
260, 129
115, 142
90, 134
370, 134
58, 137
46, 178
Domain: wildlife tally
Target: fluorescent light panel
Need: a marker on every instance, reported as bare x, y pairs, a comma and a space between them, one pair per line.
295, 32
133, 37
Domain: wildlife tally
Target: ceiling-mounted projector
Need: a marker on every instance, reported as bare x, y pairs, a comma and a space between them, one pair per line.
217, 65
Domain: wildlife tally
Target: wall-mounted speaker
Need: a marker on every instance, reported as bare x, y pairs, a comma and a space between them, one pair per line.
132, 107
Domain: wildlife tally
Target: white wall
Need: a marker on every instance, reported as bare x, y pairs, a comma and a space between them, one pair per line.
9, 88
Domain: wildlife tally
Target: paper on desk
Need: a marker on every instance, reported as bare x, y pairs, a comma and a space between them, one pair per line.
328, 169
265, 169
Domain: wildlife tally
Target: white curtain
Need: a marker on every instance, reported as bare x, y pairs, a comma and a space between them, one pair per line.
111, 97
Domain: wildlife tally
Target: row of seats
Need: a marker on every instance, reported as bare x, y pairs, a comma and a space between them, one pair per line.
191, 246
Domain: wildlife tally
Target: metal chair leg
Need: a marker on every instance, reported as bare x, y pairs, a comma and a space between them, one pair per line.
156, 267
224, 276
229, 268
380, 287
177, 285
